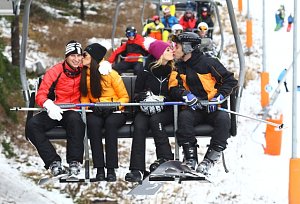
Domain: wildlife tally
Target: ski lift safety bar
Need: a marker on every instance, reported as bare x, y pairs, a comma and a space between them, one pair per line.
112, 104
66, 107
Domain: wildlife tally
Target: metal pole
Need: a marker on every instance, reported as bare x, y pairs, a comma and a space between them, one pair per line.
86, 146
142, 15
240, 52
264, 38
23, 52
115, 20
294, 176
294, 98
175, 129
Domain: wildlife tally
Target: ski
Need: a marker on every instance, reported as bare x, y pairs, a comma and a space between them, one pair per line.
172, 170
176, 171
146, 188
51, 179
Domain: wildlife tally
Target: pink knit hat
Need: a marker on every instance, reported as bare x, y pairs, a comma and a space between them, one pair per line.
157, 48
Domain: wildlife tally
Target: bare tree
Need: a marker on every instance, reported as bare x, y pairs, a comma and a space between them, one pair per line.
82, 16
15, 40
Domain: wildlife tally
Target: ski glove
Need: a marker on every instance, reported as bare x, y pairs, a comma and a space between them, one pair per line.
150, 110
54, 111
214, 107
191, 100
104, 111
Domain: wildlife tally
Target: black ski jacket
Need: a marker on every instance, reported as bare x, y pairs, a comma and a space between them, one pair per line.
155, 80
204, 76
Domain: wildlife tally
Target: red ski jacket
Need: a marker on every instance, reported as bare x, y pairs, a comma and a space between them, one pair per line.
66, 89
132, 48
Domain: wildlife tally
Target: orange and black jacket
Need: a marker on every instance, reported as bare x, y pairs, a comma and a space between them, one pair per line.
204, 76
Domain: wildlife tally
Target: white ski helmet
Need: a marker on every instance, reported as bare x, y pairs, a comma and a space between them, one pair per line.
202, 26
175, 28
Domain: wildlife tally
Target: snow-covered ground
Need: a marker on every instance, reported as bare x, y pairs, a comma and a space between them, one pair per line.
253, 177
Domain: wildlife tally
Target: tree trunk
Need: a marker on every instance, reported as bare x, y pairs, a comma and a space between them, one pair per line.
82, 17
15, 41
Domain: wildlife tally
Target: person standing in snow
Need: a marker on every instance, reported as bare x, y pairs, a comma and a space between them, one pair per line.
200, 77
100, 83
152, 85
60, 85
133, 50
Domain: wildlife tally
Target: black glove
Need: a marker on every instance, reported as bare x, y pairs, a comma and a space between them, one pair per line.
104, 111
140, 96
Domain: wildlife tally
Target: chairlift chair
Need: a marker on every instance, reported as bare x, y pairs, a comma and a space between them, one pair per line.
29, 98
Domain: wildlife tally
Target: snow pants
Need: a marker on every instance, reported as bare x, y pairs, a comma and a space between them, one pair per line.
111, 123
188, 119
156, 122
123, 67
39, 124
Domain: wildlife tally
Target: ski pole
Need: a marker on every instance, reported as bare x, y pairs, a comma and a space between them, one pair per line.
279, 126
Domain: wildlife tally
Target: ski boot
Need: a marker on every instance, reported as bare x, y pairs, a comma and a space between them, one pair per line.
190, 155
74, 168
156, 164
56, 168
100, 174
210, 158
134, 176
111, 175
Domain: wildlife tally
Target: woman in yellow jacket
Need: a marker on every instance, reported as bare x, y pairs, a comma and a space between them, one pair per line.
100, 83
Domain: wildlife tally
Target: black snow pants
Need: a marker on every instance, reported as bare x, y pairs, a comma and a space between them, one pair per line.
188, 119
156, 122
111, 124
123, 67
75, 128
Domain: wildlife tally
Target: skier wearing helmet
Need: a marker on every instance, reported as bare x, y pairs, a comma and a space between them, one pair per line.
188, 20
206, 17
168, 20
200, 77
133, 51
207, 46
154, 28
202, 29
175, 30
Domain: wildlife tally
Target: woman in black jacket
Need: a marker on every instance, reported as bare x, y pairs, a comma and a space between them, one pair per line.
152, 85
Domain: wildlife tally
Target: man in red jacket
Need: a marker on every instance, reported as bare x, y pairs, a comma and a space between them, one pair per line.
59, 85
133, 51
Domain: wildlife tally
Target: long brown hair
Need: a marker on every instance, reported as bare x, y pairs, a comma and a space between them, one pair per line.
95, 80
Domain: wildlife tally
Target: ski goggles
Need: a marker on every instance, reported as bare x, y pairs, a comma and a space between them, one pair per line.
130, 34
202, 28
